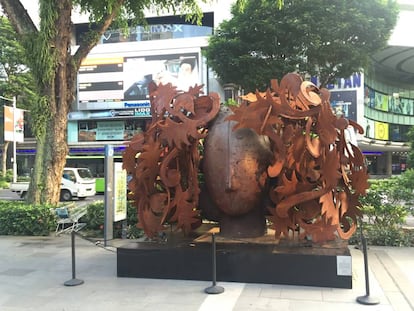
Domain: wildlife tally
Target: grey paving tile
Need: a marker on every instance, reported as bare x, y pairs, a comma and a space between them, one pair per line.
329, 306
301, 293
227, 300
340, 295
398, 301
271, 291
252, 290
42, 276
16, 272
248, 303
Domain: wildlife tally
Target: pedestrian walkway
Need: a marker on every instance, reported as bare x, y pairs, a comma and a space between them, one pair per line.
33, 271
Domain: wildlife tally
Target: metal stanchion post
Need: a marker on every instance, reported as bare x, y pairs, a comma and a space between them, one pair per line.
367, 299
124, 229
214, 289
74, 281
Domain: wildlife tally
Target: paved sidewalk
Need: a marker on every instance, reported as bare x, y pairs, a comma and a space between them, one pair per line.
33, 270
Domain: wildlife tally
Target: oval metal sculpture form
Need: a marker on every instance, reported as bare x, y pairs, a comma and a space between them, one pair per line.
234, 167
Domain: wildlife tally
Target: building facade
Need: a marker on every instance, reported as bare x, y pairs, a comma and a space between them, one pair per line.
112, 101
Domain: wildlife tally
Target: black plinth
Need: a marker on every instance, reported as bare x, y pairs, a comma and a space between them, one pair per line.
248, 261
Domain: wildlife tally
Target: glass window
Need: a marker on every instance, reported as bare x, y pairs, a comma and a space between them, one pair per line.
85, 173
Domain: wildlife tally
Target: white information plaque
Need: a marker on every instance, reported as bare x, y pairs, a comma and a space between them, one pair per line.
344, 265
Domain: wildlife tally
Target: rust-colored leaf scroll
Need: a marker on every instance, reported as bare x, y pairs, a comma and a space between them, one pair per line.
163, 161
318, 174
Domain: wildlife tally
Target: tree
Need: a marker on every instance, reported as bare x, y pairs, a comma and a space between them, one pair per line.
327, 39
15, 78
54, 68
385, 207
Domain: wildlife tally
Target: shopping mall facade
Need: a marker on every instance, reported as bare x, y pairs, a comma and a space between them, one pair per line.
112, 90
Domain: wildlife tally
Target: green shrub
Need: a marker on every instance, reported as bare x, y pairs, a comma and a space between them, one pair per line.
94, 219
385, 208
231, 102
392, 236
8, 178
18, 218
381, 213
3, 183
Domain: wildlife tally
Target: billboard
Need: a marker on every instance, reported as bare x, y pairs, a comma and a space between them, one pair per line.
391, 103
13, 124
381, 130
377, 130
345, 103
108, 82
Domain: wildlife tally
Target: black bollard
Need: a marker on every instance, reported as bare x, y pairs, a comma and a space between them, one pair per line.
214, 289
367, 299
74, 281
124, 229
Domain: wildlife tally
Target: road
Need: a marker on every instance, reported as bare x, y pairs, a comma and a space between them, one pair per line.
7, 195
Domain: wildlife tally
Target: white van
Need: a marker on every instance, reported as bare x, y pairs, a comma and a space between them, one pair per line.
76, 183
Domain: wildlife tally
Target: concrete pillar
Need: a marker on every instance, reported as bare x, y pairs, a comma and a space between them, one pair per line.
388, 163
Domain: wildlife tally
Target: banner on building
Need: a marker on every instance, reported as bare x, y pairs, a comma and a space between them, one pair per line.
108, 82
381, 131
13, 124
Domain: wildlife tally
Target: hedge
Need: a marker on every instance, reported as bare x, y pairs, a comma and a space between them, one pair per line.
19, 218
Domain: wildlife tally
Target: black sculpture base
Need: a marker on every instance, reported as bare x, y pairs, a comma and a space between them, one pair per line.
256, 260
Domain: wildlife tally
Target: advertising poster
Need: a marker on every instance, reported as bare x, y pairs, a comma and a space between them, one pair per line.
370, 128
381, 131
13, 124
120, 192
381, 101
344, 103
110, 130
107, 130
125, 80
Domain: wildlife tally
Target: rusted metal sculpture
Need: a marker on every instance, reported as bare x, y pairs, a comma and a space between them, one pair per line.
319, 174
165, 174
282, 154
236, 182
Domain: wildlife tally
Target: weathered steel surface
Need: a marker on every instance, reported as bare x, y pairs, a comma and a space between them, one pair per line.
234, 168
164, 160
235, 164
318, 174
308, 174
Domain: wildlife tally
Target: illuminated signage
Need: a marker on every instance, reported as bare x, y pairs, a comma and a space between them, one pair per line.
108, 82
353, 82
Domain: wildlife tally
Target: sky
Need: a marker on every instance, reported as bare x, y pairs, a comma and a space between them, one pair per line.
400, 36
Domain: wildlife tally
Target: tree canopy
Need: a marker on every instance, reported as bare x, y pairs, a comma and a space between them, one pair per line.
327, 39
15, 77
54, 66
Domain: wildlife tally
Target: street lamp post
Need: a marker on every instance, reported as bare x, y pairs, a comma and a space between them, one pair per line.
14, 141
14, 160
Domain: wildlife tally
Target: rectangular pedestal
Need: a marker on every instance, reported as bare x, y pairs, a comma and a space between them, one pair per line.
237, 262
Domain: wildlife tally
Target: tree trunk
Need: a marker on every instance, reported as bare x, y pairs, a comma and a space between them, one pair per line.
55, 148
36, 185
55, 70
52, 147
4, 158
